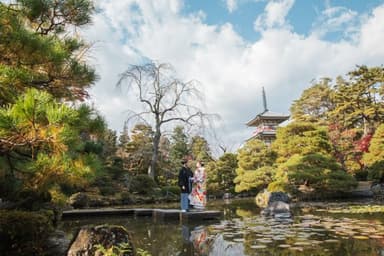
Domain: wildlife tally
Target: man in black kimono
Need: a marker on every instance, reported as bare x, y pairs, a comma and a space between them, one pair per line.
185, 175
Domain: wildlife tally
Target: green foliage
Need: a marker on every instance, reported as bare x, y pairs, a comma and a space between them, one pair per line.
253, 155
40, 141
255, 161
376, 171
318, 172
314, 103
25, 232
357, 100
40, 57
301, 138
142, 252
376, 149
48, 16
142, 184
200, 149
222, 173
179, 146
171, 189
115, 250
139, 149
255, 179
351, 107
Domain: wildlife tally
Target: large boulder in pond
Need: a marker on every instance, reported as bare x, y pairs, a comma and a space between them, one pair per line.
378, 191
90, 239
265, 198
274, 204
79, 200
277, 209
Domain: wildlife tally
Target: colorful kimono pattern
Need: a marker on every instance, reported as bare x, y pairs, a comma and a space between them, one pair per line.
200, 240
198, 196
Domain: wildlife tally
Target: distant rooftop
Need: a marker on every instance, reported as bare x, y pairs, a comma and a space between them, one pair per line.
267, 115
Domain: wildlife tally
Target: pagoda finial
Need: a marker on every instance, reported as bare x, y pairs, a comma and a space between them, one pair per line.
264, 101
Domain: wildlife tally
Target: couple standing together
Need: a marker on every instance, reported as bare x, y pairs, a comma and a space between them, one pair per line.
193, 186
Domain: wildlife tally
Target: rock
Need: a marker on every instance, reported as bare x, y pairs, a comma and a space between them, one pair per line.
57, 243
378, 191
264, 198
274, 203
79, 200
89, 238
277, 208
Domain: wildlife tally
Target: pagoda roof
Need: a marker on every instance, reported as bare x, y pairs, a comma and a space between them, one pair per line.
267, 115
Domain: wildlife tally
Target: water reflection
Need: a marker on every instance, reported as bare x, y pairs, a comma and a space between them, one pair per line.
243, 231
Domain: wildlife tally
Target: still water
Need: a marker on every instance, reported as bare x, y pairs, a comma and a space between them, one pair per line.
243, 231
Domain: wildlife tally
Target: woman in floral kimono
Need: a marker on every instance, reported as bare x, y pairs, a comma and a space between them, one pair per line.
198, 196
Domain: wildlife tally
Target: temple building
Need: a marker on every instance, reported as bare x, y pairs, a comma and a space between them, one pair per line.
266, 123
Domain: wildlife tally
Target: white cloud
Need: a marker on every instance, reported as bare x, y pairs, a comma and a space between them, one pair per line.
231, 5
274, 15
371, 35
230, 69
337, 19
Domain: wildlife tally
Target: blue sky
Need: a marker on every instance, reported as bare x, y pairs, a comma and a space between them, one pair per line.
302, 15
233, 48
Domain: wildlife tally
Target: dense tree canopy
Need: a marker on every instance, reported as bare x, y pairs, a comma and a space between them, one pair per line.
316, 172
200, 150
374, 158
352, 108
42, 56
255, 161
301, 138
179, 145
314, 103
359, 99
139, 149
39, 142
222, 173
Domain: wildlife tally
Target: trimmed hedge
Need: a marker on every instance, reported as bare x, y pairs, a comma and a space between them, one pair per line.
23, 233
143, 185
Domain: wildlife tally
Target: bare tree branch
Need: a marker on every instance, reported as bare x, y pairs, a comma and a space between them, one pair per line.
168, 98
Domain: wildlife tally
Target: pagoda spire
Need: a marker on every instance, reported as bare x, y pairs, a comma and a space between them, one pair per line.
264, 101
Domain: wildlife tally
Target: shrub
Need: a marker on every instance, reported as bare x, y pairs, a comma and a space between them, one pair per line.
142, 184
126, 197
170, 189
376, 171
107, 190
214, 188
23, 232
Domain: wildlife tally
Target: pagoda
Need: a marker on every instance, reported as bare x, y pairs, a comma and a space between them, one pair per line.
266, 123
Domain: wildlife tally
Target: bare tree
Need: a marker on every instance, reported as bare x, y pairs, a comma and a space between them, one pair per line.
164, 98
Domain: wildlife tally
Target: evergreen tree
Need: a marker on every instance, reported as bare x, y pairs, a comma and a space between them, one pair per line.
317, 172
358, 100
305, 158
374, 158
39, 141
301, 138
223, 172
255, 166
314, 103
43, 55
179, 146
200, 149
139, 149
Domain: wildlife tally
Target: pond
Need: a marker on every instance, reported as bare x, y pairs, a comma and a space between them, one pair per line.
315, 229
